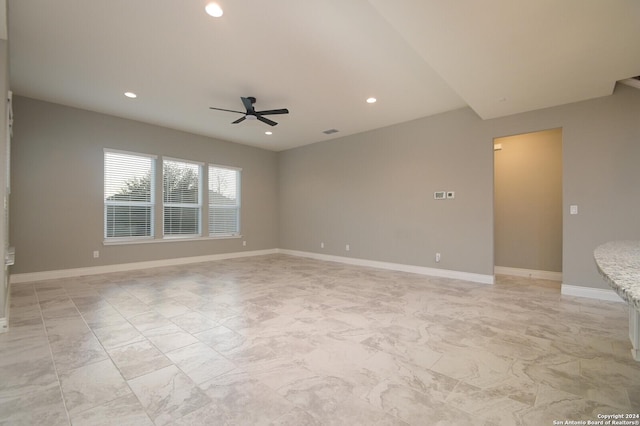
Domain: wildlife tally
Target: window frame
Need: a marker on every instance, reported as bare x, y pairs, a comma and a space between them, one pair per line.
197, 205
237, 207
151, 204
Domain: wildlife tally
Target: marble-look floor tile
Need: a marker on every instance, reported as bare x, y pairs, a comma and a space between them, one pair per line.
279, 374
217, 311
486, 404
103, 317
23, 377
552, 404
245, 400
221, 339
148, 321
168, 394
128, 306
27, 315
170, 308
475, 366
291, 341
393, 342
211, 414
251, 317
200, 362
415, 407
297, 417
122, 411
90, 303
138, 359
193, 322
331, 400
116, 335
92, 385
169, 338
28, 344
59, 309
191, 299
46, 292
392, 369
346, 360
38, 407
59, 329
22, 290
564, 373
71, 353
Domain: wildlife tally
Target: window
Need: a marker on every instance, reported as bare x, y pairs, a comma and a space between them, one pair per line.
182, 198
128, 195
224, 201
131, 185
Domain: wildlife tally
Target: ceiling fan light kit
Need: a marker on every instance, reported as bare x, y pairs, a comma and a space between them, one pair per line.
252, 114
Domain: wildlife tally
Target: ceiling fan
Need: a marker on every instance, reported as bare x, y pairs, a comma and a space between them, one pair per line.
252, 114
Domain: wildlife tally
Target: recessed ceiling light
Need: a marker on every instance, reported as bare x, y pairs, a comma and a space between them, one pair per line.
268, 133
130, 95
371, 100
214, 9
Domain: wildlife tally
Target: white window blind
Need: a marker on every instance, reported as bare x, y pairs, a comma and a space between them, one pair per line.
128, 195
224, 201
182, 198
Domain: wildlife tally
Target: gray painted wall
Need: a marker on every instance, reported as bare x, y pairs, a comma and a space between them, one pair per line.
4, 88
528, 201
57, 178
374, 190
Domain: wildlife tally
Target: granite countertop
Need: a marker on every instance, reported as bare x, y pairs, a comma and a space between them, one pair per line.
619, 262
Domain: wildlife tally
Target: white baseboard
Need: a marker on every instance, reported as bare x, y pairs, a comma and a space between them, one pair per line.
422, 270
591, 293
123, 267
528, 273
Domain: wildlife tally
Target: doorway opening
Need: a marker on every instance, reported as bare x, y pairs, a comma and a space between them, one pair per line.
528, 205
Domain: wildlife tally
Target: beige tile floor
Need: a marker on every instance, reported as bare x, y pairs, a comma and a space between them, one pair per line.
291, 341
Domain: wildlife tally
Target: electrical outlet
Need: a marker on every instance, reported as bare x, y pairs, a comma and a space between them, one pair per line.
437, 257
244, 244
321, 245
347, 248
96, 254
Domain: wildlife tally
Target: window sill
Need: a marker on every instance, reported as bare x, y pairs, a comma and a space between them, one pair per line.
167, 240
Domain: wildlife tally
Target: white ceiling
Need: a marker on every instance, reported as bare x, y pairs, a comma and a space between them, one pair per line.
319, 59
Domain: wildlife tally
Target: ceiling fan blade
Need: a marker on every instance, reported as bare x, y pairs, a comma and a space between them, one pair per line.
239, 120
273, 111
247, 103
228, 110
266, 120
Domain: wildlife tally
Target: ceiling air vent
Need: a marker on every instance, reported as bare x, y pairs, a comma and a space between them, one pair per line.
330, 131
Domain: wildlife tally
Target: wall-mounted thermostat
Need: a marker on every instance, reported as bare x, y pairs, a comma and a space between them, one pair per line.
440, 195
